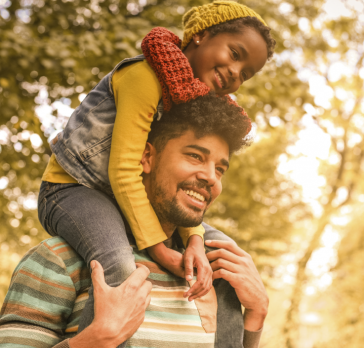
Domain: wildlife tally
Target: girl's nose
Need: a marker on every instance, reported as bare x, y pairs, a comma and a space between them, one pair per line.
234, 74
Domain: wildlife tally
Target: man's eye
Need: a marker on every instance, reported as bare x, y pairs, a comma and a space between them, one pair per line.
195, 155
221, 170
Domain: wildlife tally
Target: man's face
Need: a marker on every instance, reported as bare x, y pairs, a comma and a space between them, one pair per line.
185, 178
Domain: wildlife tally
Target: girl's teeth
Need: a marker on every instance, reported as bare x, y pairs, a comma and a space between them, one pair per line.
218, 76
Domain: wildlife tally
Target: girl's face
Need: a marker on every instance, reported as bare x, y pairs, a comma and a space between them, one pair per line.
223, 62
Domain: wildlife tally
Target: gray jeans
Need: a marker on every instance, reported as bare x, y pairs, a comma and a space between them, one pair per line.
93, 224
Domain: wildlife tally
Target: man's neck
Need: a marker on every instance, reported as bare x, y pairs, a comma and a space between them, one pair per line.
168, 228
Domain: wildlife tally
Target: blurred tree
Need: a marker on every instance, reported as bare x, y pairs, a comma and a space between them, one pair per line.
347, 329
337, 66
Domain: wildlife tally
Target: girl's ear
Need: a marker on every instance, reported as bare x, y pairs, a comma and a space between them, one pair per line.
148, 158
199, 37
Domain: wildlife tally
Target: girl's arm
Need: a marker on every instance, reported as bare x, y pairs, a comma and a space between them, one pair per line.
137, 92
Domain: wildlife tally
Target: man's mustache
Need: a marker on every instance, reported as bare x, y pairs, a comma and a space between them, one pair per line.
197, 184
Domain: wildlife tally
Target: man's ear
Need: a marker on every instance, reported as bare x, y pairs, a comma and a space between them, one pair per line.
148, 158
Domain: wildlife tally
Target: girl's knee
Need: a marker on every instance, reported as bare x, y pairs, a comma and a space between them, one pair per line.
119, 268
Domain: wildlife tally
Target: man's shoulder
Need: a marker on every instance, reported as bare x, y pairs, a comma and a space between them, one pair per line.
44, 288
58, 249
54, 256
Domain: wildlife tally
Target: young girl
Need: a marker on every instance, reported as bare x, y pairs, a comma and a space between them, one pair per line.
93, 178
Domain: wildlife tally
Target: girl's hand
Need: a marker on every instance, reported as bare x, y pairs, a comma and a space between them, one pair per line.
167, 258
237, 267
195, 257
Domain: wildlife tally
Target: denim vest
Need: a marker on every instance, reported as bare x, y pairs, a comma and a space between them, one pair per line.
83, 147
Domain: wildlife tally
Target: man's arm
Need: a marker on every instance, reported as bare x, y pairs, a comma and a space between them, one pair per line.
237, 267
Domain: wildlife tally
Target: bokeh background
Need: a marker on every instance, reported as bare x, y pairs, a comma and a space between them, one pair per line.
294, 199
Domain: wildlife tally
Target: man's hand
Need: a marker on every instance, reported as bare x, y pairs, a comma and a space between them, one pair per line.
119, 311
167, 258
195, 257
237, 267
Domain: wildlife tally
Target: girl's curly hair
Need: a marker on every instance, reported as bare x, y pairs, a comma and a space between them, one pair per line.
206, 115
238, 25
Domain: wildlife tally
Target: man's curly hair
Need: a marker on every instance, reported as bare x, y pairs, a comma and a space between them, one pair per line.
206, 115
238, 25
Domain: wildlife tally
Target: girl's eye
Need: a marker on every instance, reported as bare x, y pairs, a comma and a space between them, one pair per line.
235, 54
245, 76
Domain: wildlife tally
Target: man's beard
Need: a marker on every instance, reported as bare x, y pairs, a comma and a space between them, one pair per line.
168, 210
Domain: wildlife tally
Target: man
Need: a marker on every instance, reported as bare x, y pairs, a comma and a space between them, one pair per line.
184, 160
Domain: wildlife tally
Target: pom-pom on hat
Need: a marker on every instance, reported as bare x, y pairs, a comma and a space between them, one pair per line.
201, 17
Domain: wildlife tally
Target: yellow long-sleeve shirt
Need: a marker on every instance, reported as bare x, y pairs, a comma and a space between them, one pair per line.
137, 93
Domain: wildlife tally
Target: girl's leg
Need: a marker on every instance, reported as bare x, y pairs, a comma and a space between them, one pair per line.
230, 321
91, 222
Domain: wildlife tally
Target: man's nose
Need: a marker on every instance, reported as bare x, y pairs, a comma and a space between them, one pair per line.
208, 175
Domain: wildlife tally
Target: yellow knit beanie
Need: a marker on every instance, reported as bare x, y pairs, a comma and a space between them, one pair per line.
202, 17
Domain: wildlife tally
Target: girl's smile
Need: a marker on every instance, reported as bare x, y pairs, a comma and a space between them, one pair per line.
219, 79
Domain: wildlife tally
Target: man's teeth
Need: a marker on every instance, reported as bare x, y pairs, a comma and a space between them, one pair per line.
219, 78
195, 195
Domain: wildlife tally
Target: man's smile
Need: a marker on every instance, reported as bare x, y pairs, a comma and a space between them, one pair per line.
194, 199
195, 195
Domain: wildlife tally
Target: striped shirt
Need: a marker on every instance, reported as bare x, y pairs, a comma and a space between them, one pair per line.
48, 292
